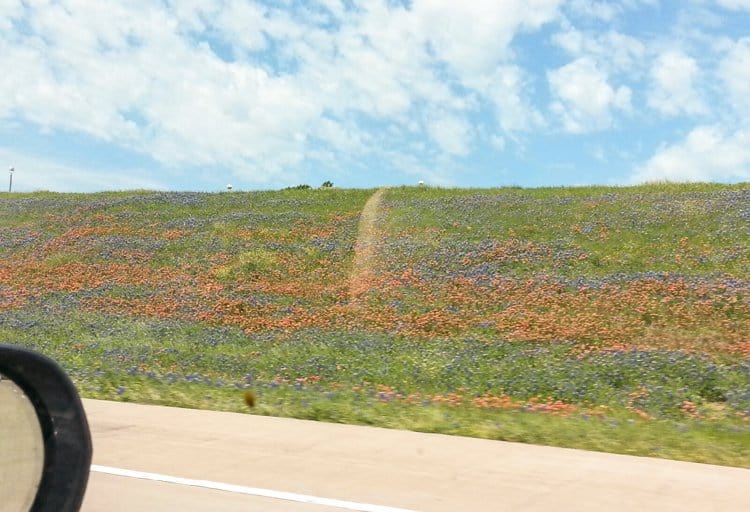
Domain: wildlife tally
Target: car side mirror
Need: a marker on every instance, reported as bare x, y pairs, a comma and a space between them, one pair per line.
45, 443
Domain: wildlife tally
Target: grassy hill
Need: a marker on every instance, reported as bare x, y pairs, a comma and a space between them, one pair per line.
612, 319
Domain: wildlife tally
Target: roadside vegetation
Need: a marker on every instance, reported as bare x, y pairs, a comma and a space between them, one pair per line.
611, 319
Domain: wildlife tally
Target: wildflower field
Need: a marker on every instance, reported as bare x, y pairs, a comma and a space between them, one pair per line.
613, 319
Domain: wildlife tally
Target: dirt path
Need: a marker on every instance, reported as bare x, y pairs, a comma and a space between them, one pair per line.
363, 269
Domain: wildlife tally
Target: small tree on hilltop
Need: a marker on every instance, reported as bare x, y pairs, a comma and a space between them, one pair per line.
327, 184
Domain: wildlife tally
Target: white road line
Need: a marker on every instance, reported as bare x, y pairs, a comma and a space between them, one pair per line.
241, 489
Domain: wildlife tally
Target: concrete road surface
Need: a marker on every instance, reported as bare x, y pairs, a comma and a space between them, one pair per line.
192, 460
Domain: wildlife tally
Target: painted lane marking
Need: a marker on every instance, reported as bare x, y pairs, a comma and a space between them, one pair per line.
252, 491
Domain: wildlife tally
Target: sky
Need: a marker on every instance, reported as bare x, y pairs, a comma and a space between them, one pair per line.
195, 95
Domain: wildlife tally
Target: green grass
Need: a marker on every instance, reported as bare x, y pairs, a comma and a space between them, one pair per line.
358, 377
190, 299
704, 442
627, 229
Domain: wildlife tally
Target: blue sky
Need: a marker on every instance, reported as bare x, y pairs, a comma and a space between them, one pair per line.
193, 95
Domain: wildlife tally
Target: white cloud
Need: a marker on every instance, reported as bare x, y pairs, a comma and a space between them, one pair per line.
451, 133
604, 11
708, 153
386, 61
673, 77
584, 99
734, 72
474, 37
241, 25
474, 40
130, 74
614, 51
34, 173
507, 90
258, 88
10, 9
497, 142
343, 136
735, 5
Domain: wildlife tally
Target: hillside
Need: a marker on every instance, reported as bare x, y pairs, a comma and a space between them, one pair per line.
605, 318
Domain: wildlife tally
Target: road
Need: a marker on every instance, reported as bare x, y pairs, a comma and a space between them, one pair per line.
330, 467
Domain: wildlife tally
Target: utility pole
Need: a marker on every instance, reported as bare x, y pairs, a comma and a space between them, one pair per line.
10, 182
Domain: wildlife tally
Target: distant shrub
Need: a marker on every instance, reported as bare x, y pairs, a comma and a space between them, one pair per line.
327, 184
303, 186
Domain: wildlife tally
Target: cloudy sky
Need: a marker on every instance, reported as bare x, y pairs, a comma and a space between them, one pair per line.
194, 94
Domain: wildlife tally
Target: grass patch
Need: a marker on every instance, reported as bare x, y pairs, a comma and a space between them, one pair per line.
625, 402
605, 318
693, 441
249, 264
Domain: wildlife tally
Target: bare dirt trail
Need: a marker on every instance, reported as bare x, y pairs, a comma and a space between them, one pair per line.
365, 253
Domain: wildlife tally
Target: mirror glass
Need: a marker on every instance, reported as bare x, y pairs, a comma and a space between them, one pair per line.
21, 448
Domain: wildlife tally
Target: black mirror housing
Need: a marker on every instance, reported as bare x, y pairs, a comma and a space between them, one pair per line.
65, 430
